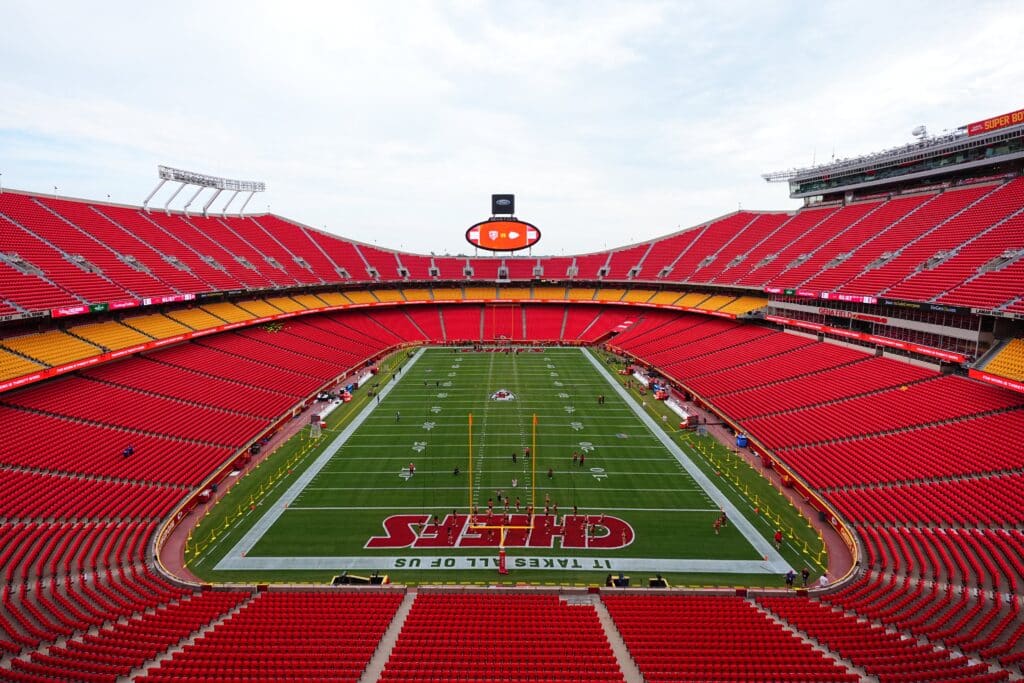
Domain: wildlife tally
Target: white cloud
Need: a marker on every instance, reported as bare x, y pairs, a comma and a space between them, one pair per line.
613, 122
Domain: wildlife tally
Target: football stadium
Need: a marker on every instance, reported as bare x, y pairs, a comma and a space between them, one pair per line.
772, 445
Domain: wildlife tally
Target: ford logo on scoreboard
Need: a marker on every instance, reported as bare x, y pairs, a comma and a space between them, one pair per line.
503, 204
503, 234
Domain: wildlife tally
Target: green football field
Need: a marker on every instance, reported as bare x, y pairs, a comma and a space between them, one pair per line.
632, 502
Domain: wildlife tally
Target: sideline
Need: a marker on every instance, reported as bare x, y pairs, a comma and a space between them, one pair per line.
263, 524
840, 557
776, 563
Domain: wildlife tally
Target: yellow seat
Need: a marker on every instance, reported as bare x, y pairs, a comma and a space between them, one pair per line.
447, 294
417, 294
225, 310
389, 294
286, 304
361, 297
53, 347
692, 299
310, 301
665, 298
556, 293
514, 293
744, 305
333, 298
486, 293
607, 294
196, 318
156, 325
582, 293
638, 295
110, 334
258, 308
714, 303
13, 365
1009, 362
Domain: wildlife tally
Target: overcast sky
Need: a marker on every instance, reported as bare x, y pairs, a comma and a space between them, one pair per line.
393, 122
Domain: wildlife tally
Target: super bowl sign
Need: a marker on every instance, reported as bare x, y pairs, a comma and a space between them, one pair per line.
503, 234
996, 122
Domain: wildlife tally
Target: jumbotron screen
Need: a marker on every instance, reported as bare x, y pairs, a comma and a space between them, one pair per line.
503, 234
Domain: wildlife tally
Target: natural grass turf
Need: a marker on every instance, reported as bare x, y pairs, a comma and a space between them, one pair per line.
671, 516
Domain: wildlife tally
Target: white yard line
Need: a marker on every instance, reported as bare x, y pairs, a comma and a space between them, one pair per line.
402, 456
449, 507
463, 488
581, 473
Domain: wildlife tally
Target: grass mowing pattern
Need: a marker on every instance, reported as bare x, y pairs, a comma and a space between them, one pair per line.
627, 473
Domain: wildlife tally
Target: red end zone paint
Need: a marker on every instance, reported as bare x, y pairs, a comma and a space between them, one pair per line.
454, 531
502, 234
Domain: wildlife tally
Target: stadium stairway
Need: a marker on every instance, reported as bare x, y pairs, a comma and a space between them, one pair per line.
110, 651
380, 657
919, 607
998, 233
928, 425
965, 621
671, 266
922, 246
121, 428
416, 325
677, 637
739, 378
630, 671
501, 636
287, 635
155, 661
876, 485
872, 391
884, 653
444, 333
835, 656
839, 224
172, 400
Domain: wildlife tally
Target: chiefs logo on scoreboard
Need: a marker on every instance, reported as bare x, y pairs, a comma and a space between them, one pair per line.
503, 234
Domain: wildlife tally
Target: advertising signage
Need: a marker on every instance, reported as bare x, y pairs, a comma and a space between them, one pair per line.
996, 122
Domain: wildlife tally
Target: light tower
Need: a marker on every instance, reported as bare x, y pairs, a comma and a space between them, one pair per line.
201, 182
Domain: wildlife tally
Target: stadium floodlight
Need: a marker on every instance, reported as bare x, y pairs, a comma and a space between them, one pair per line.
192, 178
202, 181
780, 176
